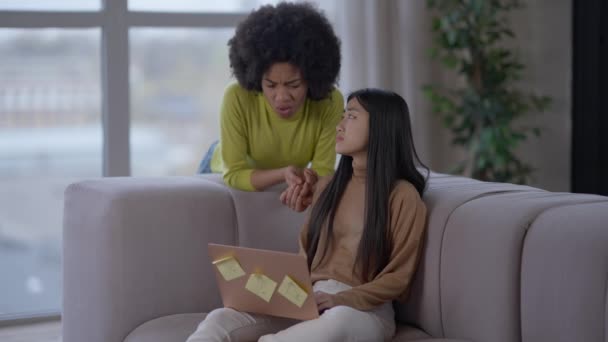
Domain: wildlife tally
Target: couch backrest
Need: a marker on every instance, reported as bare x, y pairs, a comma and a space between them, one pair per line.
564, 292
469, 282
434, 299
472, 282
263, 221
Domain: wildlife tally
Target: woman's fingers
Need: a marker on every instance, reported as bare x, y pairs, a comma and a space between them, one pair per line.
297, 197
283, 197
323, 301
294, 197
318, 297
292, 176
310, 176
307, 201
288, 194
293, 179
300, 206
305, 197
306, 190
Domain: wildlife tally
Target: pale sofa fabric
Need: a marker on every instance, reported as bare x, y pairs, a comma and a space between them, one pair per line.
481, 263
263, 222
492, 270
133, 251
564, 274
444, 196
167, 328
179, 327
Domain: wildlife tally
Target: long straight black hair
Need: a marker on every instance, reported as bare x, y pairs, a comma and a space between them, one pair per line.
391, 156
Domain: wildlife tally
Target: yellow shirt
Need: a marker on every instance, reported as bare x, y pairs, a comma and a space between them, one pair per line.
253, 136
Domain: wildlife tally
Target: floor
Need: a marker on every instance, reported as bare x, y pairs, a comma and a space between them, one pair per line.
37, 332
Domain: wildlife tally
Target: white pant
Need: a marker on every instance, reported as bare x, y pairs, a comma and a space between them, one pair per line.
340, 323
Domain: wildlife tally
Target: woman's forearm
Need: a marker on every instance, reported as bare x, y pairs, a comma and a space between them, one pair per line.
263, 179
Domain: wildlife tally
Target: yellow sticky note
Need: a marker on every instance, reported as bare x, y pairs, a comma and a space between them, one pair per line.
229, 268
292, 291
261, 285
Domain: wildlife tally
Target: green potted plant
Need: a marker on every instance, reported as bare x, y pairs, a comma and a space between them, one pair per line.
469, 37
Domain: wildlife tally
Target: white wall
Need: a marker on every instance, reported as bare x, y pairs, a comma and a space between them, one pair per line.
544, 34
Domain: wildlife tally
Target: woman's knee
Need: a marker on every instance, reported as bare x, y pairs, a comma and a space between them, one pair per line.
220, 325
349, 322
341, 311
210, 329
221, 316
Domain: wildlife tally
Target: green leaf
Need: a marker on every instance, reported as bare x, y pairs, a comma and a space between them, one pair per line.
477, 6
481, 162
500, 160
452, 37
429, 91
436, 24
450, 61
518, 136
444, 24
460, 141
448, 120
541, 103
458, 168
508, 32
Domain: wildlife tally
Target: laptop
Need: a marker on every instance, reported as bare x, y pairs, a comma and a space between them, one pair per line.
263, 281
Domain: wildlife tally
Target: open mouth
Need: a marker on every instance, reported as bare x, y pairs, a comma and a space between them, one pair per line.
284, 110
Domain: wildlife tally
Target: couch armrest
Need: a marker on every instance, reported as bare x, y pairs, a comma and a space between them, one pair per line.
136, 248
564, 281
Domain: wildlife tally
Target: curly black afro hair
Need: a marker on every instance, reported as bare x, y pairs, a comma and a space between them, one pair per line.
297, 33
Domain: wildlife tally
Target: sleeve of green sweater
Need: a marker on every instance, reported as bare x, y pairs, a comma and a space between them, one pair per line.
233, 133
324, 158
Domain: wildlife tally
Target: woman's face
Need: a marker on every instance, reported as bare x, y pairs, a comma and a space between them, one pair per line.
353, 131
284, 88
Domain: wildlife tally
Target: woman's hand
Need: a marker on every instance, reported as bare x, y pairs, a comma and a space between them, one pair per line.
324, 300
293, 175
298, 197
310, 176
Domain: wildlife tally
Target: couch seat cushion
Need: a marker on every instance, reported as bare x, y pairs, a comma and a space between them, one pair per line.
173, 328
177, 328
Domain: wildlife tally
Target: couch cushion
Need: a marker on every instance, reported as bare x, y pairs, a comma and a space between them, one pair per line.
564, 278
134, 248
406, 333
174, 328
444, 195
481, 260
255, 227
177, 328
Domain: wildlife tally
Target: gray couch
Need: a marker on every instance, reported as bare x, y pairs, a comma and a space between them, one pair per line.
502, 262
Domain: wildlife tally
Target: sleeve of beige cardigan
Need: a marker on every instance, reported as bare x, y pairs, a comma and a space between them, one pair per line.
407, 224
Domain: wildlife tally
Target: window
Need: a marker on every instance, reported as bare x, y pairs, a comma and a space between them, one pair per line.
177, 81
151, 71
50, 136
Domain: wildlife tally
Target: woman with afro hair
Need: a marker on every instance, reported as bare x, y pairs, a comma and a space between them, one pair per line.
281, 115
